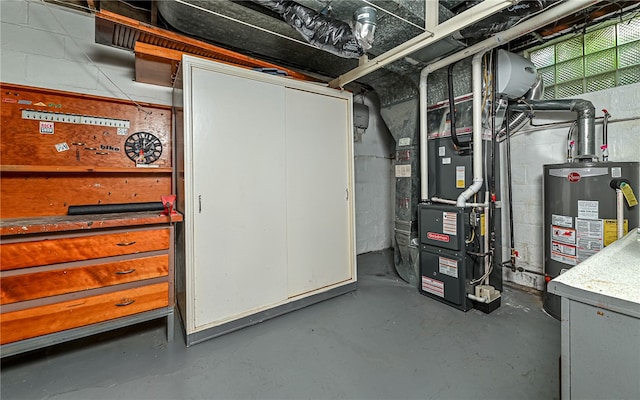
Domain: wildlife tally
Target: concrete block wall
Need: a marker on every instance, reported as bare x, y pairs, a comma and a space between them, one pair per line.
530, 151
46, 46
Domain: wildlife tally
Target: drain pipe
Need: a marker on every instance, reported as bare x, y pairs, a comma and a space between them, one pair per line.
424, 154
476, 77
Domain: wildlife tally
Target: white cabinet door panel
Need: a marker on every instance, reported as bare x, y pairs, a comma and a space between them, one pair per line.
239, 196
318, 171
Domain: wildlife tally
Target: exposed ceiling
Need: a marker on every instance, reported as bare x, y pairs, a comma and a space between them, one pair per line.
255, 31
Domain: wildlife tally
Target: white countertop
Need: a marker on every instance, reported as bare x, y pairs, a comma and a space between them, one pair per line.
608, 279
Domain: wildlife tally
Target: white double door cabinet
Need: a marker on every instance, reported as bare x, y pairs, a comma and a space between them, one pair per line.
268, 177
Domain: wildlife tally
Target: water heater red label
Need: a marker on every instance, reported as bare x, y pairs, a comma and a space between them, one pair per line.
573, 177
441, 237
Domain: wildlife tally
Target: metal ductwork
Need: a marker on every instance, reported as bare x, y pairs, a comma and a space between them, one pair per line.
326, 33
585, 116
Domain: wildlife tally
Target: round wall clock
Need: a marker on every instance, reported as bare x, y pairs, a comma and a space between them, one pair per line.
143, 147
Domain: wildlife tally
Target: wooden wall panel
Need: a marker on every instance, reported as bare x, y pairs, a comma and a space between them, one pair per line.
42, 194
102, 146
39, 180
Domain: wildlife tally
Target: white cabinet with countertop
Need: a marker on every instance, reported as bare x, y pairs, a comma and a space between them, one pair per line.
601, 323
265, 182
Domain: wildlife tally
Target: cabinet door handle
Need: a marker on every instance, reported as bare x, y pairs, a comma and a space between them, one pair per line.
126, 243
129, 271
125, 302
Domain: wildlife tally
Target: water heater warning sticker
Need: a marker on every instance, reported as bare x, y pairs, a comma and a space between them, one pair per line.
587, 209
564, 253
590, 237
433, 286
563, 235
562, 220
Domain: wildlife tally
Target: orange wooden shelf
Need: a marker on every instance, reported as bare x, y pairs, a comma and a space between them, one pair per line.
67, 168
22, 226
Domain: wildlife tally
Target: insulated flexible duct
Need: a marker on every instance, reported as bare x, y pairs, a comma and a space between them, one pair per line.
328, 34
505, 19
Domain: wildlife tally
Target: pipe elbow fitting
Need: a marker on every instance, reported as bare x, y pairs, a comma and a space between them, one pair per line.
471, 190
584, 108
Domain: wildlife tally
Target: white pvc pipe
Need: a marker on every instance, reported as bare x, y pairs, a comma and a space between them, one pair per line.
454, 202
476, 77
620, 212
478, 299
487, 265
424, 155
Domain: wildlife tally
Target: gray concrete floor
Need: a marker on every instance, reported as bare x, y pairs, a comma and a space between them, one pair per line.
384, 341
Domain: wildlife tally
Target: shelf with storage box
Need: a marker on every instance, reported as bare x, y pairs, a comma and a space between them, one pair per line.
64, 276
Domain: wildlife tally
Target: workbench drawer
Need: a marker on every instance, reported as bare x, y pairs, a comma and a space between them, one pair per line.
54, 251
32, 322
68, 280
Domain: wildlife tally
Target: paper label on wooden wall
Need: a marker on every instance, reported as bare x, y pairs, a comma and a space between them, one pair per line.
46, 128
460, 177
403, 171
62, 147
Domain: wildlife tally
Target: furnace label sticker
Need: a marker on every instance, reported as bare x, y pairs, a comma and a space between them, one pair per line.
450, 223
442, 151
564, 253
460, 177
403, 171
590, 237
448, 266
588, 209
563, 235
562, 220
611, 230
433, 286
